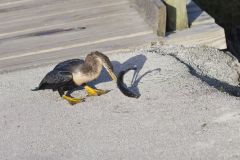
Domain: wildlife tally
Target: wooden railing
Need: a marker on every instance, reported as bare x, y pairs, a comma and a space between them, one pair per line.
154, 13
162, 14
177, 18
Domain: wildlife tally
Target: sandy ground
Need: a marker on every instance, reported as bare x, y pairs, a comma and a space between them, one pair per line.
189, 109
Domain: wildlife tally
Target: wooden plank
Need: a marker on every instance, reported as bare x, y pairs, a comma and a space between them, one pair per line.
62, 19
177, 18
40, 8
95, 29
154, 13
107, 47
56, 12
6, 3
210, 35
41, 32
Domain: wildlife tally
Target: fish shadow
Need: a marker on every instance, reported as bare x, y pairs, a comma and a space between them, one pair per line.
219, 85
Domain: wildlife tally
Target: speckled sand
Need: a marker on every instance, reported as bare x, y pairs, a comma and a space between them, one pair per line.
183, 112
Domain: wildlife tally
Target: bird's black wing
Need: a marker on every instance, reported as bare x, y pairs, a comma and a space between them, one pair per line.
60, 76
55, 79
69, 65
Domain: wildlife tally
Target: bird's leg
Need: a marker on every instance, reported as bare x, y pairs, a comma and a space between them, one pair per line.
94, 92
70, 99
73, 100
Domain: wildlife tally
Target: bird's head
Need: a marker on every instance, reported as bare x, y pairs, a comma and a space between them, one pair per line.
106, 63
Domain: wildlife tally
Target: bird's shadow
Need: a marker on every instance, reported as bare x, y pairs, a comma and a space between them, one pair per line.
219, 85
137, 61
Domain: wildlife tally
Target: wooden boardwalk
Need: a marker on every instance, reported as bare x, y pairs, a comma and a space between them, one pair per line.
39, 32
203, 30
36, 32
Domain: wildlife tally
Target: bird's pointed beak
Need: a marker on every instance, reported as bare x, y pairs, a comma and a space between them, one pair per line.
112, 75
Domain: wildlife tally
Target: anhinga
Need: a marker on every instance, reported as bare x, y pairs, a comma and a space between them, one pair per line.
77, 72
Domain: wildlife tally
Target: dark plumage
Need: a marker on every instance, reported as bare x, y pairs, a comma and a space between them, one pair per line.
60, 78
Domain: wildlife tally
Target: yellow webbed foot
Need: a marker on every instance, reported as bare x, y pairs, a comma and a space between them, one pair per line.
72, 100
95, 92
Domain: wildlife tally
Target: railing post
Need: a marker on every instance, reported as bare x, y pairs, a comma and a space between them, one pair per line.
154, 13
177, 18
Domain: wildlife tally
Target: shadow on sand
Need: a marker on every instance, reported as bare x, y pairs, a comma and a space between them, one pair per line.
219, 85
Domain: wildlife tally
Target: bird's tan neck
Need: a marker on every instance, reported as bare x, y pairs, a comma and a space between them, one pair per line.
93, 65
89, 71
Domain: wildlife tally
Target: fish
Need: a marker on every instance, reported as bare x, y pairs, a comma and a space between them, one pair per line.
123, 87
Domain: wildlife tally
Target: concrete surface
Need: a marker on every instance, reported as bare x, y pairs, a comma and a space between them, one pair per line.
183, 113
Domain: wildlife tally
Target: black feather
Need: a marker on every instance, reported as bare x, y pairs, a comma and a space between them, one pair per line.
60, 76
